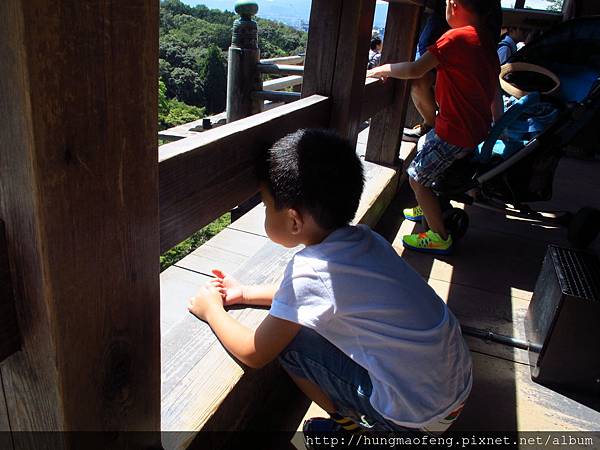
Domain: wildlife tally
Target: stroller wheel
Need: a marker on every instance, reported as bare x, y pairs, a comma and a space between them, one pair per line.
584, 227
456, 221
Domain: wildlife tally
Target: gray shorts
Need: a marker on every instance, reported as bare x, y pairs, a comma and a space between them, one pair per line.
433, 157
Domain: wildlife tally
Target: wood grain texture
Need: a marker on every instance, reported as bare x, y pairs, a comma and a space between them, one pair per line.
321, 50
351, 62
203, 177
10, 341
336, 60
79, 189
385, 136
376, 97
504, 398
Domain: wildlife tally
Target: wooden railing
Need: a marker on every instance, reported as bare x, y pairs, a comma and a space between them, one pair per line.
205, 176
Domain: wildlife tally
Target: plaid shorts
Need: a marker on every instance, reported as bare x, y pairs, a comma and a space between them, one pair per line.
433, 157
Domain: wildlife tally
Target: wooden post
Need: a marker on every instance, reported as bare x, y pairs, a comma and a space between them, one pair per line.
337, 56
79, 188
243, 76
401, 35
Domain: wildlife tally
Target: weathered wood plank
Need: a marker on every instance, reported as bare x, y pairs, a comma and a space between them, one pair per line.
519, 403
351, 63
10, 340
226, 251
381, 184
321, 50
487, 311
177, 286
203, 177
385, 136
79, 188
337, 57
197, 372
377, 96
481, 261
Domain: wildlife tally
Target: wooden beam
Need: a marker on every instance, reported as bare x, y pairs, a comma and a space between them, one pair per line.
10, 342
79, 186
337, 56
377, 96
203, 177
385, 135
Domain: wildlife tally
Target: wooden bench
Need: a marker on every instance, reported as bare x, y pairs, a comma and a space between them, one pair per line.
203, 387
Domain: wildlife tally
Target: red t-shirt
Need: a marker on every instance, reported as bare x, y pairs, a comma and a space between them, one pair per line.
467, 79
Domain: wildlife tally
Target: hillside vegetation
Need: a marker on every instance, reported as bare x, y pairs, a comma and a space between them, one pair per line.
193, 58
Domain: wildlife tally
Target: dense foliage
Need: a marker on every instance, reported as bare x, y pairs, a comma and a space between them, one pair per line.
193, 65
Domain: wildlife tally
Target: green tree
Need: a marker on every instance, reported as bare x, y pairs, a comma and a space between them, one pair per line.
213, 73
186, 85
163, 106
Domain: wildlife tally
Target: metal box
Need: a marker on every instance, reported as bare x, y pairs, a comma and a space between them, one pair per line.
563, 321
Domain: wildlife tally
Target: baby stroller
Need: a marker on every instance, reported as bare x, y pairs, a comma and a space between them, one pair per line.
516, 163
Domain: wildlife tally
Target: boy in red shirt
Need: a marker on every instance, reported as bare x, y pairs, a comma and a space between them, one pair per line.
467, 77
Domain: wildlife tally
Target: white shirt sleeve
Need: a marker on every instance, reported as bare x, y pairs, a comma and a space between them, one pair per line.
303, 297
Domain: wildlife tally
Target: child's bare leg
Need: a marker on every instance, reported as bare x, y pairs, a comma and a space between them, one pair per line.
430, 204
314, 392
423, 97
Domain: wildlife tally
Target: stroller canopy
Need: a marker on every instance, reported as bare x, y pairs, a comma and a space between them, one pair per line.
572, 51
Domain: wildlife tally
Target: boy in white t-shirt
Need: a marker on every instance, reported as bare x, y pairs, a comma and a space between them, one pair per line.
356, 328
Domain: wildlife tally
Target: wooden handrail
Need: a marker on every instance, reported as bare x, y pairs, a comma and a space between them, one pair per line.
204, 176
284, 69
296, 59
282, 83
277, 96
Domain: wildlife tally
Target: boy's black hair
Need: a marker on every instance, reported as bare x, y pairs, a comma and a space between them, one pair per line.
375, 42
314, 171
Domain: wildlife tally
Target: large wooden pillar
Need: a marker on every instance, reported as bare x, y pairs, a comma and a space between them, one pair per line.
401, 36
337, 56
79, 197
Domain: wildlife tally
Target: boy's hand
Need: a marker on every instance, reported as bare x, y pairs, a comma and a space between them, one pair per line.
232, 291
207, 299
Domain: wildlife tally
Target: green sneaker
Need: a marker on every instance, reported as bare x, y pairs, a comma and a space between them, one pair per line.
413, 214
428, 242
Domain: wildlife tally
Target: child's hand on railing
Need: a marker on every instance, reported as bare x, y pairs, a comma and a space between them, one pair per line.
232, 291
378, 72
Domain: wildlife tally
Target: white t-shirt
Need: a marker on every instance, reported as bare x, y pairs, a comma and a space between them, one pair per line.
359, 294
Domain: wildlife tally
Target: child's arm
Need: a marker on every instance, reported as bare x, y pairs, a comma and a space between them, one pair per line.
406, 70
235, 293
253, 348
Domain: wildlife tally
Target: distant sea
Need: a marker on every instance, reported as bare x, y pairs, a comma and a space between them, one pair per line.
297, 12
